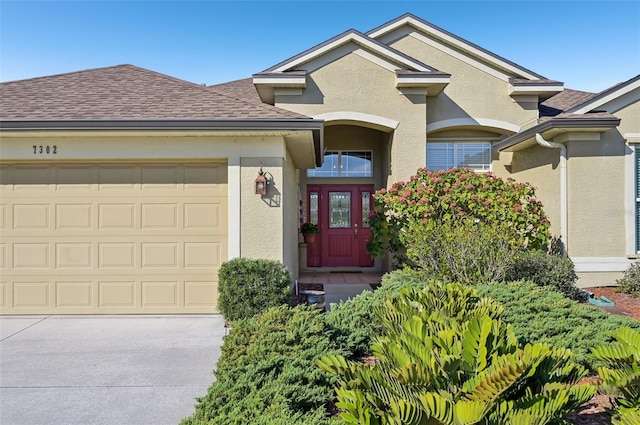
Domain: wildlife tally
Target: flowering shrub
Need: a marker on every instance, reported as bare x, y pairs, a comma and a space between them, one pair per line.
446, 197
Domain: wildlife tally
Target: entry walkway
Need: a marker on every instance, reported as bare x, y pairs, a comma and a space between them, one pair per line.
339, 286
105, 369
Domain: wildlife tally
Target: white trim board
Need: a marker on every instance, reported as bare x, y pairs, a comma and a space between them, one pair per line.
601, 264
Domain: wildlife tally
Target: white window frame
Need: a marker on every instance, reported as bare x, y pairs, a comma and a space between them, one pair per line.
340, 168
632, 207
456, 144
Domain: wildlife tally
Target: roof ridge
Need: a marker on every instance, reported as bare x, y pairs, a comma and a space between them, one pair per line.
61, 74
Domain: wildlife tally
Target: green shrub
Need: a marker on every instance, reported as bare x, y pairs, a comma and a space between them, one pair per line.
266, 373
545, 269
464, 251
354, 320
540, 314
247, 287
447, 196
621, 374
630, 282
447, 358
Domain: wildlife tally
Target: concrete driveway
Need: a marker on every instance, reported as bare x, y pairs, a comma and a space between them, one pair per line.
105, 369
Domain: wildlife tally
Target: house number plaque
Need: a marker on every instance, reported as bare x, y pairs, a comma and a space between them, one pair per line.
45, 150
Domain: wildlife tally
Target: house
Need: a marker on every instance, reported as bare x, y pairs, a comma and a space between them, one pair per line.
123, 190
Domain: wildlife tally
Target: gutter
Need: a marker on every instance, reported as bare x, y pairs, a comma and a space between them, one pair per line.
573, 123
269, 124
155, 124
563, 188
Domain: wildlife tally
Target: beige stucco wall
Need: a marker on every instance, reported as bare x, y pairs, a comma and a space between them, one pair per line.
291, 211
262, 216
472, 92
540, 167
353, 83
596, 196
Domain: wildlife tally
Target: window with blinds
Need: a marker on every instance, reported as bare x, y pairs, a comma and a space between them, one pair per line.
637, 192
442, 156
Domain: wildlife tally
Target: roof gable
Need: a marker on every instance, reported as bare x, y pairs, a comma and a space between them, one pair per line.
613, 98
391, 30
398, 58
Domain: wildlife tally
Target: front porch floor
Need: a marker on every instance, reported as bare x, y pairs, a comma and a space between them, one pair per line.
325, 277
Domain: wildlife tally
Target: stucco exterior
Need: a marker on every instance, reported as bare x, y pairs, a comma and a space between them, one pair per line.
391, 92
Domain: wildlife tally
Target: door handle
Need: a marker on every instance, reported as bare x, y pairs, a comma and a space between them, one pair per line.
355, 233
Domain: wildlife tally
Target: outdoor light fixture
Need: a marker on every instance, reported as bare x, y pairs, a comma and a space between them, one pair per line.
261, 183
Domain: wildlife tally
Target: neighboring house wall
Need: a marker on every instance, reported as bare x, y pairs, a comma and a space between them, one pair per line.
356, 84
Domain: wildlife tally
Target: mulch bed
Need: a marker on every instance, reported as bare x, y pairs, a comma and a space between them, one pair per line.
593, 412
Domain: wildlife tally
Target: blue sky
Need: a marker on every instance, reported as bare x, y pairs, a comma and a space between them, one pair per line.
589, 45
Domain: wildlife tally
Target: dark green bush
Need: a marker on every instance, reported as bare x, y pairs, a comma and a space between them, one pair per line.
630, 282
463, 250
545, 270
540, 314
355, 321
267, 374
248, 287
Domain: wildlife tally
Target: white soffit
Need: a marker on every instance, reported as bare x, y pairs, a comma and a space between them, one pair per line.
349, 37
615, 100
410, 22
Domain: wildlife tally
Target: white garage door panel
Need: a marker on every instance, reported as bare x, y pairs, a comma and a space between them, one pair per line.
140, 238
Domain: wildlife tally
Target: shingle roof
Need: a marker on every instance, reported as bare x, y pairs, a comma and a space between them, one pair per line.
240, 89
563, 101
125, 92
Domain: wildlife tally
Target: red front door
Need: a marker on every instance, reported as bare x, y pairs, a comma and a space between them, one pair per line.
342, 212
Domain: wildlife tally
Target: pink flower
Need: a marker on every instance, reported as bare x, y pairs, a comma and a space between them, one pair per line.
469, 187
474, 196
434, 180
517, 207
402, 199
446, 189
407, 193
461, 213
452, 205
463, 176
457, 184
487, 202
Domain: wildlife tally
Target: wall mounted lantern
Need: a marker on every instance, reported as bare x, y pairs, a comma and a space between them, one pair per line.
261, 183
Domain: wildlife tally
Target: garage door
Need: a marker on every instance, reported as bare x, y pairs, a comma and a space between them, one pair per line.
111, 238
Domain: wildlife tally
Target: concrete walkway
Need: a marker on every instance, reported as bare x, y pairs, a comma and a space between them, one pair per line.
105, 369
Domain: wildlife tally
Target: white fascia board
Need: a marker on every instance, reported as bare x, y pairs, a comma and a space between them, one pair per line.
356, 38
455, 42
534, 89
406, 81
599, 101
295, 81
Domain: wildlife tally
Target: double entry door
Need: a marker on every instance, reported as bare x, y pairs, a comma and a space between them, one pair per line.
342, 213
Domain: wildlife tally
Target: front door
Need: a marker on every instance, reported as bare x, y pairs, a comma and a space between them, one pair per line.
342, 212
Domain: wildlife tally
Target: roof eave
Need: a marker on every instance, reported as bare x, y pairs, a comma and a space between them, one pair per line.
526, 138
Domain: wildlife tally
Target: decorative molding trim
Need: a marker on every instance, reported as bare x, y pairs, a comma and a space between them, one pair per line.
601, 264
475, 122
385, 123
630, 200
632, 137
234, 187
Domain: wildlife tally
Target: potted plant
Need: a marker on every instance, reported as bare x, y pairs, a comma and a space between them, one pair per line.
309, 231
